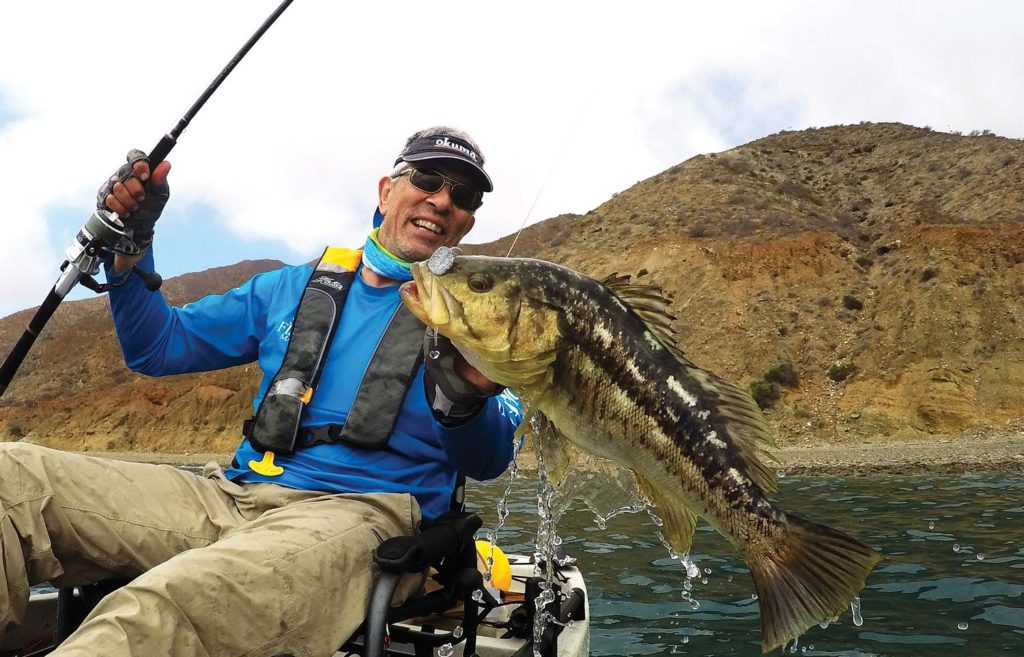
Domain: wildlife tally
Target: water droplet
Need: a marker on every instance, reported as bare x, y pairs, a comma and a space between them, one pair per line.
692, 570
980, 557
703, 580
931, 525
688, 585
780, 473
434, 354
956, 547
824, 624
446, 650
478, 596
961, 625
810, 647
793, 646
694, 604
729, 578
686, 639
707, 571
753, 596
457, 632
858, 620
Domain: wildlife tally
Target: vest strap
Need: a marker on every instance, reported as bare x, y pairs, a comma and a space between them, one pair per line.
387, 379
276, 424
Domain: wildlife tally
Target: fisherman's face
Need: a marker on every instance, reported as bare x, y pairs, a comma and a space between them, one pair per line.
417, 222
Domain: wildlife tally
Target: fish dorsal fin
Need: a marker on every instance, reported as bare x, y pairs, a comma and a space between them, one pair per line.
648, 301
742, 417
678, 522
745, 424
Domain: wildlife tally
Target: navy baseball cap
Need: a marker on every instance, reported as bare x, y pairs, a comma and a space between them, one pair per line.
447, 147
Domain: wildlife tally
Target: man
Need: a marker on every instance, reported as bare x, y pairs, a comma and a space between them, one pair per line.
353, 440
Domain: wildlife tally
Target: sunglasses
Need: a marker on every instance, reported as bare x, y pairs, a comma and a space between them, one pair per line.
466, 197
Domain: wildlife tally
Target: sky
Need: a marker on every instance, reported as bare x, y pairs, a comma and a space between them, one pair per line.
571, 103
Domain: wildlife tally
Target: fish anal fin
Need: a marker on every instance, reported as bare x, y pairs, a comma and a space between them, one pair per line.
808, 576
678, 521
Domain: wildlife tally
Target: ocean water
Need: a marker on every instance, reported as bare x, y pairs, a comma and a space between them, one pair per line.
951, 581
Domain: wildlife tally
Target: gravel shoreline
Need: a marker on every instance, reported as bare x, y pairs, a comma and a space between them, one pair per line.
1004, 453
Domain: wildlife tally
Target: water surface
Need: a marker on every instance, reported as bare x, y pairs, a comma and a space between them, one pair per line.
951, 581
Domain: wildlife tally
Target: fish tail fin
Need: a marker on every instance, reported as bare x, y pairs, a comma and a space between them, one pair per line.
808, 576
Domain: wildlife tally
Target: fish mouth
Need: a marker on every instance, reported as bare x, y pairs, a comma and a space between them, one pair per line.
427, 298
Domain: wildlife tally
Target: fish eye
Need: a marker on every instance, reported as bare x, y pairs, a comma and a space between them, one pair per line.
480, 282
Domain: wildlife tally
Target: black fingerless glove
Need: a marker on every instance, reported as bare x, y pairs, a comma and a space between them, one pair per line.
139, 225
452, 399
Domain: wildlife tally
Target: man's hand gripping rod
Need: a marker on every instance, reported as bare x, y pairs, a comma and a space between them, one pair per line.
95, 240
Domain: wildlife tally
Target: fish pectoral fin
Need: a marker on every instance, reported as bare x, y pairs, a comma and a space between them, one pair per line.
678, 521
553, 448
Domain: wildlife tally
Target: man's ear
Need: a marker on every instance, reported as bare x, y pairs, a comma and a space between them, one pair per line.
384, 188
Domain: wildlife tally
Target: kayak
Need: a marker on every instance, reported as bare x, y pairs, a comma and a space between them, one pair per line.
506, 631
497, 635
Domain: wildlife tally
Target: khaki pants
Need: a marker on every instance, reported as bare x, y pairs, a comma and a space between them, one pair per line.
221, 569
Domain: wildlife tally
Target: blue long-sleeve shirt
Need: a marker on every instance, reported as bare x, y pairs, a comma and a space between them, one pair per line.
253, 323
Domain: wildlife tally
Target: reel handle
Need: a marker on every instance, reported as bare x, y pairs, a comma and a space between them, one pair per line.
152, 279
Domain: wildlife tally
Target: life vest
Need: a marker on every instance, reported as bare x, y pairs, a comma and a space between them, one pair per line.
276, 428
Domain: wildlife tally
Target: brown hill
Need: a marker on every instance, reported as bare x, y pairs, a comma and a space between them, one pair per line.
74, 392
870, 276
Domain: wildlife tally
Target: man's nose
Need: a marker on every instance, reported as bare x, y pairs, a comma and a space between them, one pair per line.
442, 198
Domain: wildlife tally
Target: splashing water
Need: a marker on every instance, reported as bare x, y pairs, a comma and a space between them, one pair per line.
545, 546
503, 511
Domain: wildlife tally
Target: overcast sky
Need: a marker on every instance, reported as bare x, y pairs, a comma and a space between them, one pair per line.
286, 155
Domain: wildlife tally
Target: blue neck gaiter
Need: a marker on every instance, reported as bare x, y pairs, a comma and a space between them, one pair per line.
382, 261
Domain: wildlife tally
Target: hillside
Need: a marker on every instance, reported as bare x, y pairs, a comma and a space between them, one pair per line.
875, 270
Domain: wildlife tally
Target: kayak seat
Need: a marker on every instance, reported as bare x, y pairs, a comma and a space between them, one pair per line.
447, 548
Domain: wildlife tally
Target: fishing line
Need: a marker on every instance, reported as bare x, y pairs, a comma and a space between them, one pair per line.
540, 191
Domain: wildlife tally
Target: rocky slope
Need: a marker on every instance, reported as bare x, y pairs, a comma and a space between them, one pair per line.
866, 281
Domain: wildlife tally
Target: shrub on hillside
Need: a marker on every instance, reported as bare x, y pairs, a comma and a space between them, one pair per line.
851, 302
841, 371
783, 374
765, 393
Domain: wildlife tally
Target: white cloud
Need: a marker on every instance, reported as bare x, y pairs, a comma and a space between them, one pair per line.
291, 147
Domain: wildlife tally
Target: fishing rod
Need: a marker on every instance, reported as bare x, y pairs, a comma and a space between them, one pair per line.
96, 239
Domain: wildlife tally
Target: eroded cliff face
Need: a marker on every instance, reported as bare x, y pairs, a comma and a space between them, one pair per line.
882, 266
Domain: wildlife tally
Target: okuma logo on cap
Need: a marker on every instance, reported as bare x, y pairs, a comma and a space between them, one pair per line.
446, 143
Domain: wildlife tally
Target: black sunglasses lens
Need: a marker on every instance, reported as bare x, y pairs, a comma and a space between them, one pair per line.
426, 181
464, 196
467, 198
